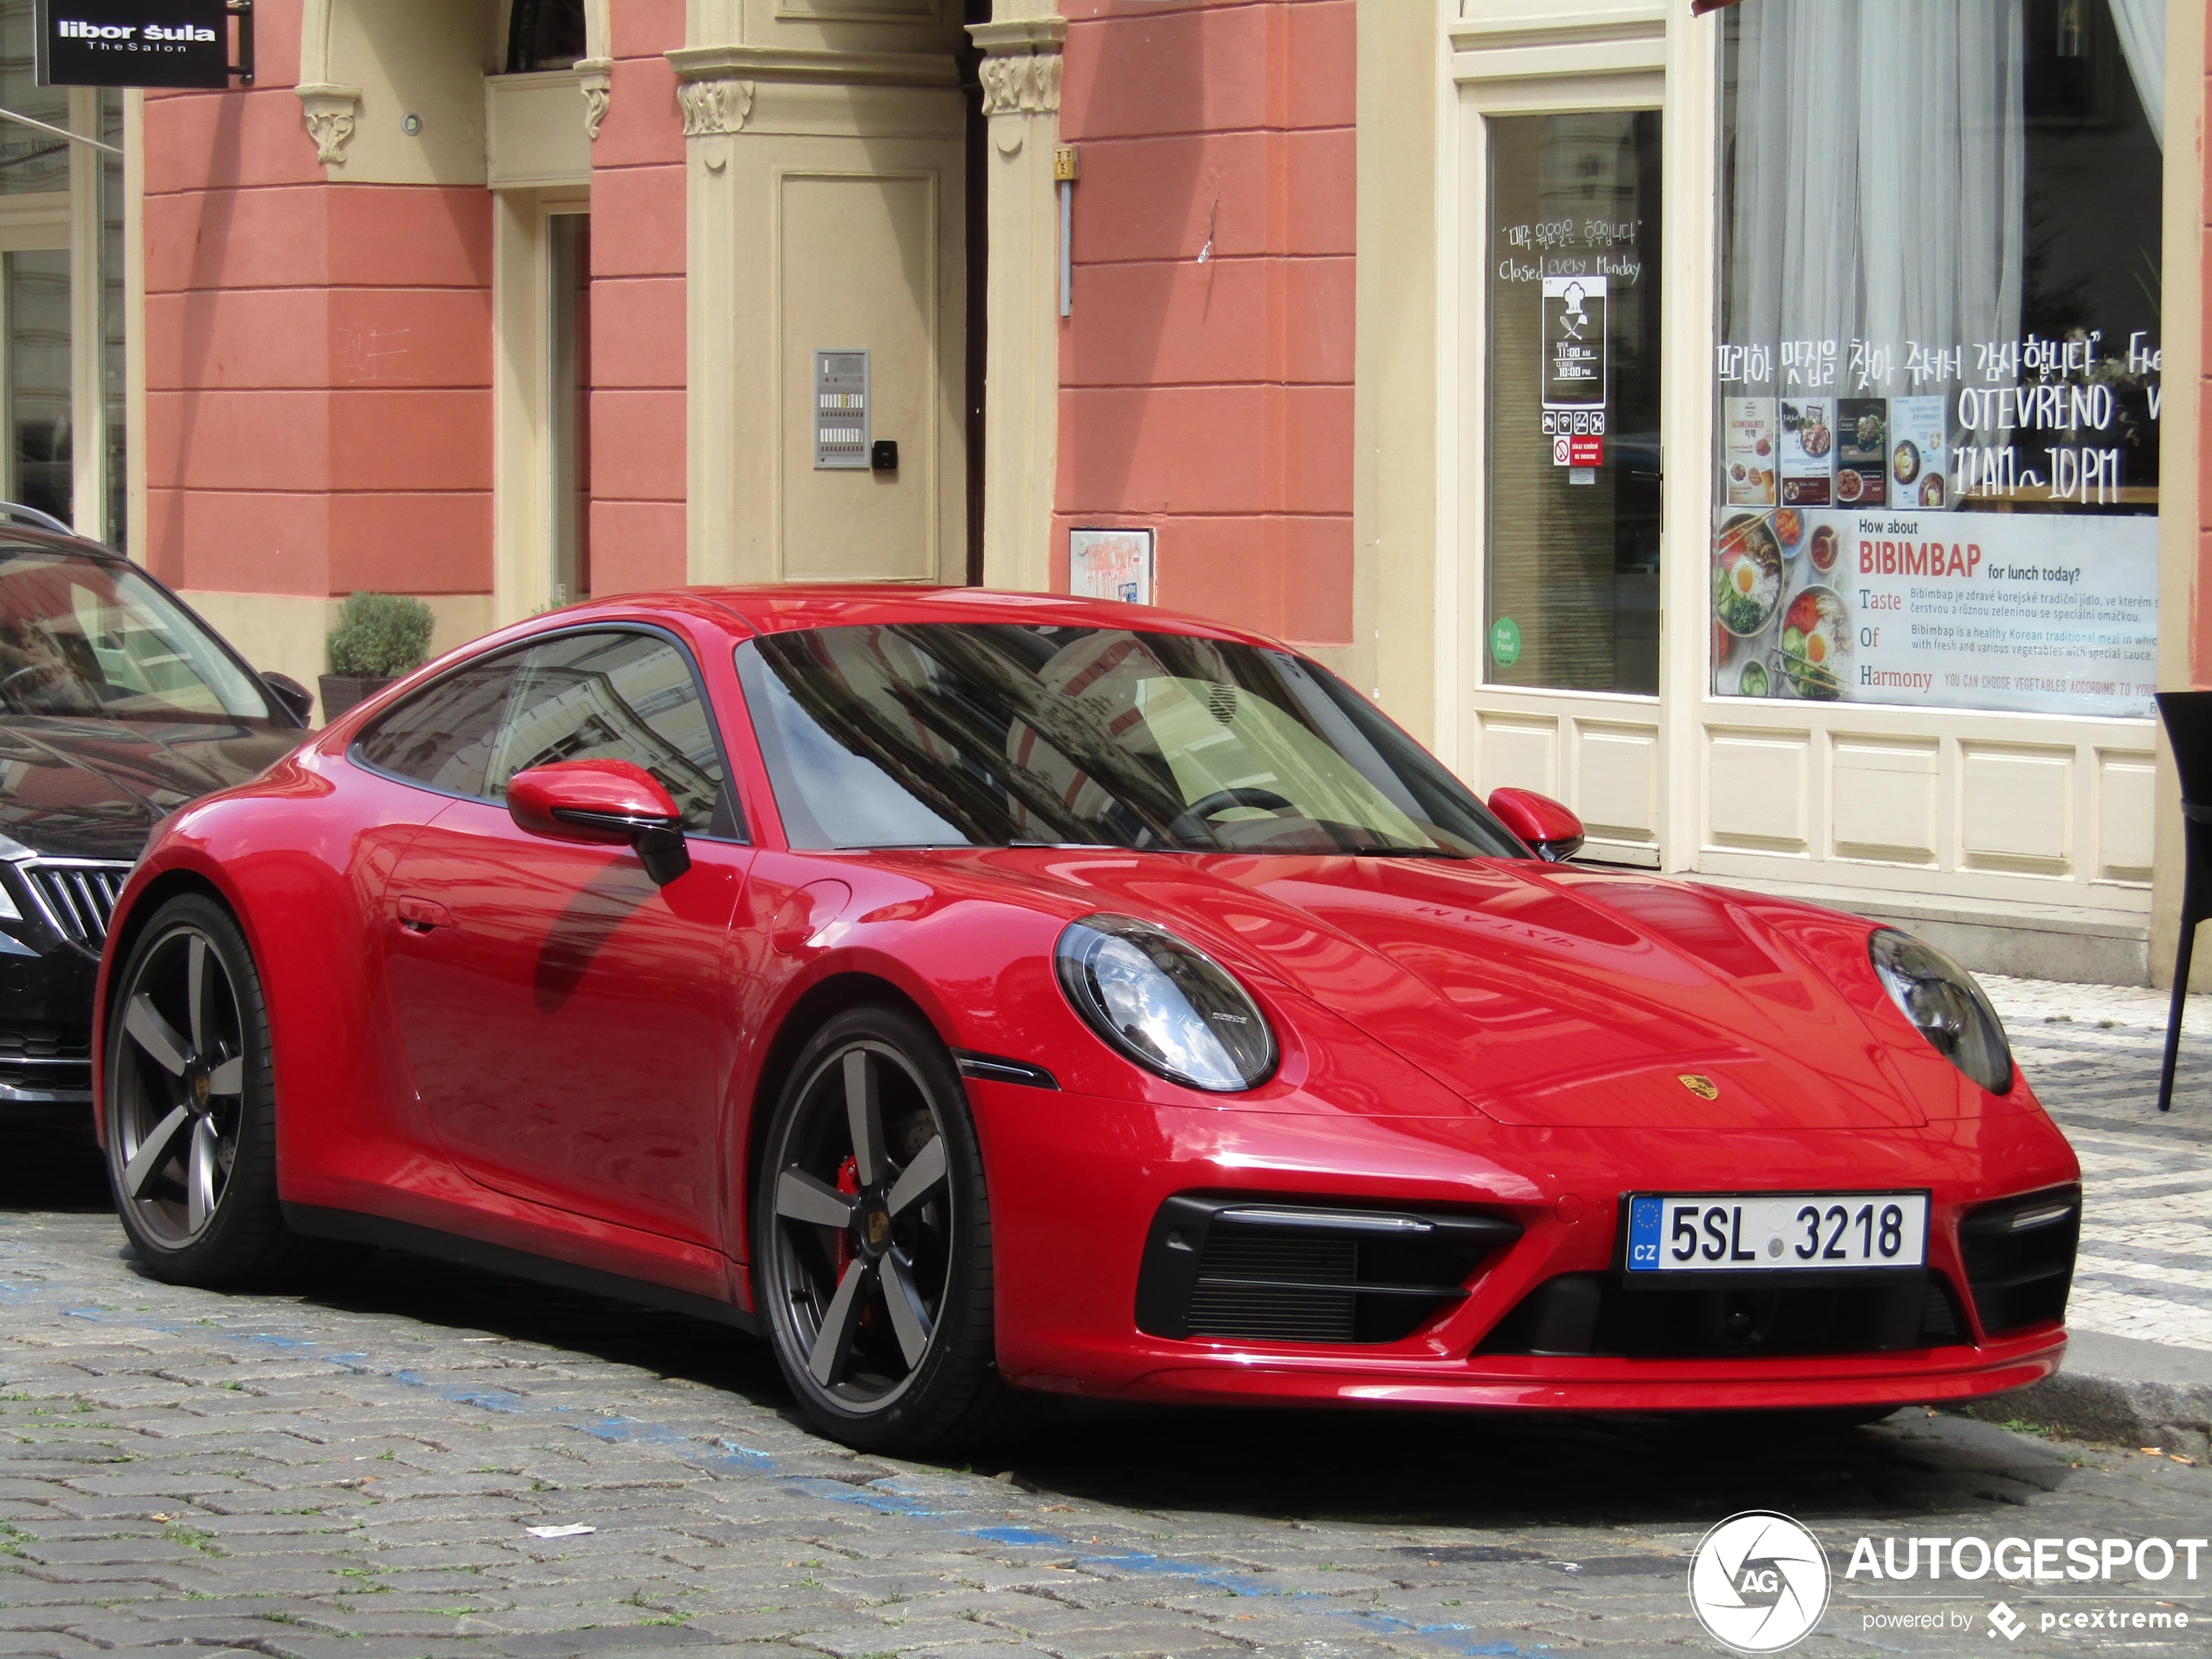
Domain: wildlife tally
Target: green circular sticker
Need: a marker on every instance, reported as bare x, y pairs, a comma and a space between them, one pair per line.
1505, 641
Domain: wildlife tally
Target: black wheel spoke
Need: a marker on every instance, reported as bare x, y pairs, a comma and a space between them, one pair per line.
196, 992
801, 1196
910, 1321
155, 1034
201, 1173
833, 1349
155, 1152
919, 1179
864, 1115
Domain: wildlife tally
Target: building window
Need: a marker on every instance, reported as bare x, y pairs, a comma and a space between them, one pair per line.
1572, 342
1938, 386
544, 34
31, 162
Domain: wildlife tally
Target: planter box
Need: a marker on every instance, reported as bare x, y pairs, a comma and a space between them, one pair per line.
342, 692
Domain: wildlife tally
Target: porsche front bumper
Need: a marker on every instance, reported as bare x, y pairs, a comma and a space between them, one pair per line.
1077, 1184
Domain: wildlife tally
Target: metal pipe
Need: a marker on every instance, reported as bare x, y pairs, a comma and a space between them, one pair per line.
59, 132
1067, 247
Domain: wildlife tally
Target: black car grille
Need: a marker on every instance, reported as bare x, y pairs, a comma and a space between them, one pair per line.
1242, 1266
1595, 1314
80, 896
2019, 1254
40, 1062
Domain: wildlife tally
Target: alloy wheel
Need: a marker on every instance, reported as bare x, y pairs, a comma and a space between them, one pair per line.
178, 1097
862, 1232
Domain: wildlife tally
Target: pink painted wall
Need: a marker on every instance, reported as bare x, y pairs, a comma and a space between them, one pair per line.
1213, 401
318, 356
319, 353
637, 329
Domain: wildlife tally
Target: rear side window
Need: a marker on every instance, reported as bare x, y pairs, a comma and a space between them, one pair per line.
443, 736
617, 696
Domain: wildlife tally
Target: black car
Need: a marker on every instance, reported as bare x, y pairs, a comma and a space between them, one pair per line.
117, 706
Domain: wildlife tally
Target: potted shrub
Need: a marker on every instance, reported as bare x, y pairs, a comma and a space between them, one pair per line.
380, 637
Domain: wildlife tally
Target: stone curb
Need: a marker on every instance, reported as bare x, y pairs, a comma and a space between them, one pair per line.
2119, 1391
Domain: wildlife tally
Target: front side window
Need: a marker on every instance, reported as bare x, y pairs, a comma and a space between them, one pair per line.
443, 736
83, 637
1938, 390
937, 734
619, 697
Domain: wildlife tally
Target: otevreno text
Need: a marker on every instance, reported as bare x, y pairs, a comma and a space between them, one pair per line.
2040, 1561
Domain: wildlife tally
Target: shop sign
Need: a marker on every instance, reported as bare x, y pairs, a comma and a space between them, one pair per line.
1110, 564
137, 42
2043, 613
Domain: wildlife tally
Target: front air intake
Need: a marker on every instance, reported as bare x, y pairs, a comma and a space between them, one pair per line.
2018, 1255
1241, 1267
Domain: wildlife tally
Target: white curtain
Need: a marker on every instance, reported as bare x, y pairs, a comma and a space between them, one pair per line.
2142, 39
1880, 151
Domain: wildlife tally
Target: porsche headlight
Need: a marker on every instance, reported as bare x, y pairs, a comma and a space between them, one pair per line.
1165, 1004
1941, 998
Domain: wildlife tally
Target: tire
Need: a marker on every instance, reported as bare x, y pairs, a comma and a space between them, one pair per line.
841, 1231
190, 1105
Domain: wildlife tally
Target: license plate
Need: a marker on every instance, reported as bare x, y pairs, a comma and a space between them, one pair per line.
1776, 1232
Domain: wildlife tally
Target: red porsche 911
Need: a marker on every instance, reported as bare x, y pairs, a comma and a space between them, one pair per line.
978, 993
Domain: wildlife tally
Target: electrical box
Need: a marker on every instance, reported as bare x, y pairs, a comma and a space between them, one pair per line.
841, 410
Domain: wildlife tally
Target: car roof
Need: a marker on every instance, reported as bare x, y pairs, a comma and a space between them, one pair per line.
793, 606
22, 538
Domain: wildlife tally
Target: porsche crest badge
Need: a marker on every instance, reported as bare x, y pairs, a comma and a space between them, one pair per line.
1703, 1088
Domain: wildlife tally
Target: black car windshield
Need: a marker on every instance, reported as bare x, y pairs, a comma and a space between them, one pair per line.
82, 636
959, 734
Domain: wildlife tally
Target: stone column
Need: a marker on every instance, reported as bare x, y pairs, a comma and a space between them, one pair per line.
1021, 370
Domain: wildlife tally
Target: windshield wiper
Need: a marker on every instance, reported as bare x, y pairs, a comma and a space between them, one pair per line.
1404, 852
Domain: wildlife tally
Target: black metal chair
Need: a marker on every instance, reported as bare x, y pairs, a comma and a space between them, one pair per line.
2187, 716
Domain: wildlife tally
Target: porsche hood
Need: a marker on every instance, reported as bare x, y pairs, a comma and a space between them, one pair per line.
1549, 996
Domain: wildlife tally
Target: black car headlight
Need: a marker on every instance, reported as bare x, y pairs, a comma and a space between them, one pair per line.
1165, 1004
1942, 999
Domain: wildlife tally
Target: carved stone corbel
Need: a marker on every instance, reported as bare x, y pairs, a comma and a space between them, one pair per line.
714, 106
595, 77
1029, 84
330, 112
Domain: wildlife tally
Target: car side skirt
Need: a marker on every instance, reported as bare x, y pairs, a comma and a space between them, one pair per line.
352, 1226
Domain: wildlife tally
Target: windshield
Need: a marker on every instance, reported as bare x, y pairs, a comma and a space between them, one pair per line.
936, 734
85, 637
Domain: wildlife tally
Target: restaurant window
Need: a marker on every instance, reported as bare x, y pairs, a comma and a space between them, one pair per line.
1573, 351
1937, 385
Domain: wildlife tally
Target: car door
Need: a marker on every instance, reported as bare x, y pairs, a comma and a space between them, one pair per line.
564, 1018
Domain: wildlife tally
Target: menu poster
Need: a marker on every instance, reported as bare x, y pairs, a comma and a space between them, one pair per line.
1111, 564
2036, 612
1747, 450
1862, 451
1808, 451
1575, 364
1919, 444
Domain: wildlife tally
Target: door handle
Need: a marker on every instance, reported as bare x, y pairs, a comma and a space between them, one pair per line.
420, 915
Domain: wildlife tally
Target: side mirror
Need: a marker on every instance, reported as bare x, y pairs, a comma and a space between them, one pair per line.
1554, 832
293, 696
602, 803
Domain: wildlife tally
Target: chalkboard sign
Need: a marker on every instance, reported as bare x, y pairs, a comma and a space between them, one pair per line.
141, 43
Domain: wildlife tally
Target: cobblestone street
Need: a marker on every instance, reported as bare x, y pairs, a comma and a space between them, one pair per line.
356, 1474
